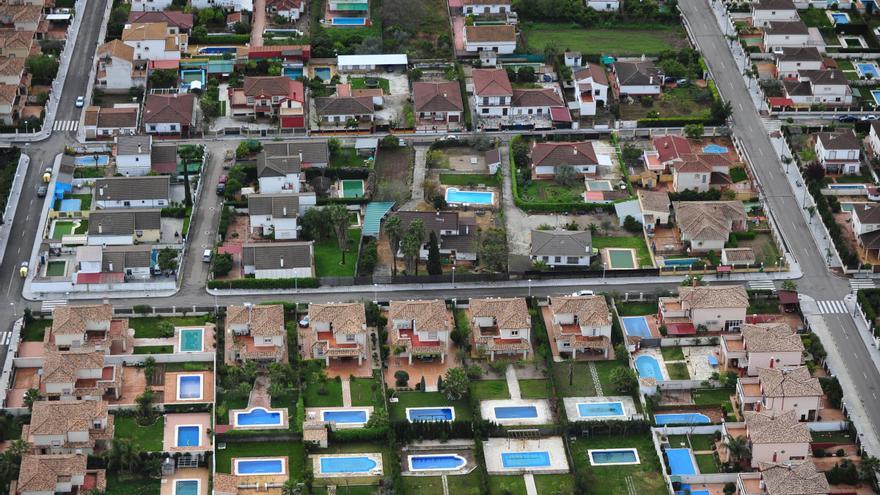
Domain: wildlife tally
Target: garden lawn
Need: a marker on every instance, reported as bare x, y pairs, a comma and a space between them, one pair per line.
227, 402
507, 485
547, 191
554, 483
839, 437
85, 200
489, 389
468, 484
148, 438
765, 249
616, 42
697, 443
424, 485
151, 327
332, 396
154, 349
82, 228
61, 229
582, 382
636, 309
366, 392
35, 330
346, 157
712, 396
361, 83
689, 101
294, 451
678, 371
815, 18
346, 490
604, 369
738, 174
328, 257
468, 179
637, 243
428, 399
672, 353
534, 389
706, 463
613, 479
125, 484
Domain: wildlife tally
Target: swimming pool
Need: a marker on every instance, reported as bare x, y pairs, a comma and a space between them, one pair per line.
636, 326
348, 21
293, 72
516, 412
190, 340
681, 462
525, 459
680, 261
258, 416
323, 73
89, 161
599, 185
436, 462
346, 416
621, 258
716, 149
613, 457
188, 436
269, 465
71, 205
189, 387
456, 196
430, 414
876, 94
217, 50
839, 17
186, 487
682, 419
601, 409
846, 186
352, 188
355, 464
867, 70
648, 367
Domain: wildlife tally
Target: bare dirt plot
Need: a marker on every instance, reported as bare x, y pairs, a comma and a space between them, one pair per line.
394, 171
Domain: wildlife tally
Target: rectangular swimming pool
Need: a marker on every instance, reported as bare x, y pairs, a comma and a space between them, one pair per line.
516, 412
613, 457
436, 462
190, 340
600, 409
188, 436
430, 414
636, 326
680, 462
258, 416
349, 21
355, 464
89, 161
525, 459
186, 487
350, 416
189, 387
682, 419
272, 465
456, 196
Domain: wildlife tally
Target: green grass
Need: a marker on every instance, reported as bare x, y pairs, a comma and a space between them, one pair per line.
56, 268
151, 327
637, 243
332, 396
85, 200
468, 484
148, 437
468, 179
636, 309
554, 483
61, 229
89, 172
845, 65
814, 17
227, 402
424, 485
604, 369
738, 174
712, 396
328, 257
697, 442
82, 228
582, 382
346, 157
840, 437
549, 192
366, 392
691, 101
294, 451
489, 389
361, 83
507, 485
706, 463
613, 479
617, 42
764, 247
678, 371
534, 389
672, 353
35, 330
346, 490
428, 399
154, 349
124, 484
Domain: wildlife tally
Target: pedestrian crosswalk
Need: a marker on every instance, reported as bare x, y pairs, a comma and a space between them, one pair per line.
861, 283
49, 305
5, 338
828, 307
762, 285
65, 125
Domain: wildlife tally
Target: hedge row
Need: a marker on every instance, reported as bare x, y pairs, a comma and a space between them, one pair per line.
265, 283
675, 121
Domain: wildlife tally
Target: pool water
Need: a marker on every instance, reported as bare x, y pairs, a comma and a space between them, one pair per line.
323, 73
430, 414
258, 416
217, 50
682, 419
840, 18
599, 185
71, 205
352, 188
714, 149
348, 464
680, 261
186, 487
648, 367
618, 456
866, 69
876, 94
293, 72
89, 161
846, 186
189, 387
259, 466
349, 21
621, 258
636, 326
525, 459
680, 462
436, 462
600, 409
190, 340
352, 416
454, 195
188, 436
516, 412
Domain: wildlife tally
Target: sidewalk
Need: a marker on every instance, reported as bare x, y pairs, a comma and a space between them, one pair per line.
512, 382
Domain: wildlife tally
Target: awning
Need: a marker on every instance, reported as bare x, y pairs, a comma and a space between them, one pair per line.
560, 114
788, 297
680, 329
723, 269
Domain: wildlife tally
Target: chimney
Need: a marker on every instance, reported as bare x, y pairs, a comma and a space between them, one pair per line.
282, 262
300, 156
284, 211
574, 150
651, 80
110, 266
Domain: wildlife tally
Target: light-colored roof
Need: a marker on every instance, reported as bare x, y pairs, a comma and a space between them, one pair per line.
795, 382
654, 200
714, 296
61, 367
262, 320
771, 337
116, 49
427, 315
346, 318
797, 478
41, 473
61, 417
377, 59
141, 31
73, 319
708, 220
766, 427
590, 310
508, 312
561, 243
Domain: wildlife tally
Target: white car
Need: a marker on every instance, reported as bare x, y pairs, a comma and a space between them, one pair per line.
80, 101
304, 322
582, 293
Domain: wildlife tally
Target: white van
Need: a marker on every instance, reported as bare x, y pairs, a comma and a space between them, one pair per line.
206, 256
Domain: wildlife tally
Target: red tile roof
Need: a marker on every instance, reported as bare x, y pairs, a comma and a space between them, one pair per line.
491, 82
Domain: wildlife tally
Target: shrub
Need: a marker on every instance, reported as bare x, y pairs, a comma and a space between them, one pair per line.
401, 378
474, 371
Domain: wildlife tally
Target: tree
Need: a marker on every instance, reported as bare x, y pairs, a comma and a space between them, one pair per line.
168, 259
390, 142
369, 257
565, 175
316, 224
32, 395
415, 237
163, 78
519, 148
145, 412
606, 225
340, 220
738, 448
694, 131
370, 45
630, 224
149, 368
492, 249
789, 285
455, 383
403, 15
526, 74
43, 69
222, 264
621, 354
393, 232
124, 455
334, 146
721, 111
401, 378
241, 28
434, 267
624, 380
277, 389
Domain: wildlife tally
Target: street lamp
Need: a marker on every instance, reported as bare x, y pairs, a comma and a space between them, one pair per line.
453, 276
375, 297
530, 288
604, 266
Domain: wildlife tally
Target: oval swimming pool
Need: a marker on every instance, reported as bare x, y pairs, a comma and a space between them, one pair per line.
648, 367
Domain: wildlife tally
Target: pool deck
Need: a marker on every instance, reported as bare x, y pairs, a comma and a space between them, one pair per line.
545, 417
201, 474
314, 414
172, 421
208, 343
374, 473
494, 447
571, 408
170, 392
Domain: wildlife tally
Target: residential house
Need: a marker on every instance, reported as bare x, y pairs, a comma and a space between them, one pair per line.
57, 473
492, 92
456, 233
132, 192
485, 7
266, 96
573, 59
762, 345
716, 307
107, 123
782, 34
21, 17
786, 478
766, 11
666, 151
279, 174
493, 160
68, 426
11, 103
79, 373
336, 331
15, 43
706, 225
234, 5
345, 111
288, 9
636, 79
124, 227
255, 333
117, 68
497, 38
501, 326
154, 41
309, 153
866, 226
580, 324
177, 21
547, 158
655, 208
149, 6
839, 151
372, 62
592, 88
438, 103
169, 114
818, 87
274, 215
79, 325
791, 60
12, 71
346, 91
419, 328
122, 264
163, 159
873, 140
782, 390
538, 102
738, 257
701, 172
279, 259
776, 438
561, 248
604, 5
133, 155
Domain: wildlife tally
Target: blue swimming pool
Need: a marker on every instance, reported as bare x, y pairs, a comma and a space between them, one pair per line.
525, 459
352, 416
71, 205
680, 462
189, 387
846, 186
186, 487
600, 409
323, 73
716, 149
456, 196
680, 261
436, 462
648, 367
430, 414
636, 326
682, 419
349, 21
293, 72
876, 94
188, 436
347, 464
516, 412
613, 456
840, 17
599, 185
190, 340
258, 416
868, 69
89, 161
217, 50
273, 465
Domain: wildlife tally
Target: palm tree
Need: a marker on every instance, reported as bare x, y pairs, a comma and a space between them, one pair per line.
124, 454
417, 231
394, 231
738, 448
32, 395
340, 219
291, 487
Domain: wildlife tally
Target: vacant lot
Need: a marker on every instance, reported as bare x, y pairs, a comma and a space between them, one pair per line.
616, 42
394, 174
679, 102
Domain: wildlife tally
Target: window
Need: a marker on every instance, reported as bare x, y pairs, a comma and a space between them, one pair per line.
514, 333
485, 110
173, 127
557, 259
432, 336
572, 260
349, 338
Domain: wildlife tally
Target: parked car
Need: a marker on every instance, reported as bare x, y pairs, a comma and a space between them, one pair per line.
221, 189
42, 191
207, 255
223, 179
304, 322
870, 117
847, 118
80, 101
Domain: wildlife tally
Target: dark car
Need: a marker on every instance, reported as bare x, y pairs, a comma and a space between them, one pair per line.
221, 188
42, 191
847, 118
